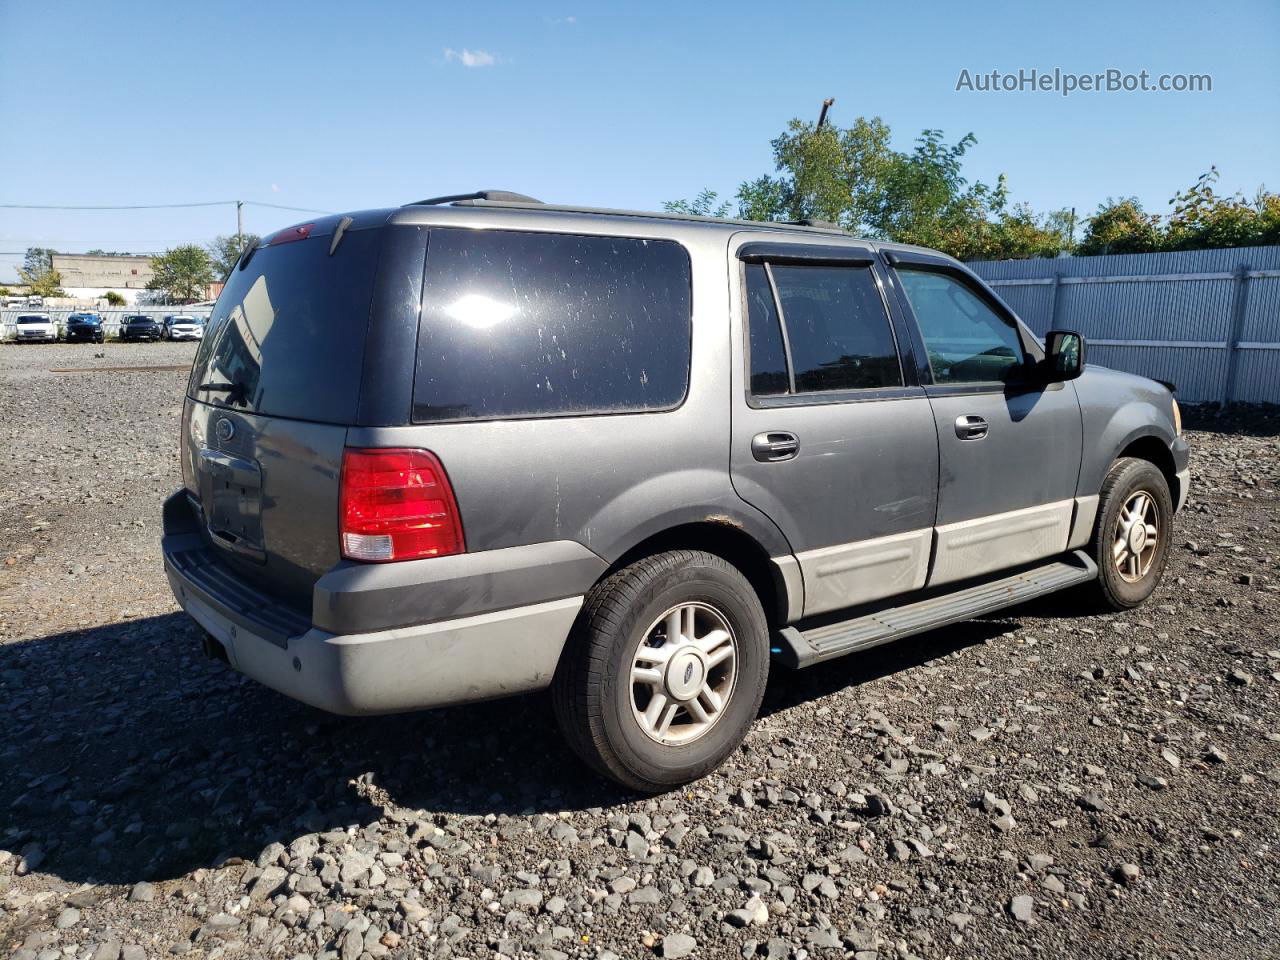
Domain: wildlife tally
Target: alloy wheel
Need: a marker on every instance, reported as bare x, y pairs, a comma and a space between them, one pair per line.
683, 673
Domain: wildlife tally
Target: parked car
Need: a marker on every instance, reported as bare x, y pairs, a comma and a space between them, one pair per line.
182, 328
635, 458
139, 327
35, 301
84, 327
14, 300
35, 328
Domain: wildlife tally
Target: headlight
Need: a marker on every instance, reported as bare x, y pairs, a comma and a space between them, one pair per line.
1177, 418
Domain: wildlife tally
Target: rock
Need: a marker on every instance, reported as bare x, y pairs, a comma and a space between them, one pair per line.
107, 950
69, 917
676, 945
142, 892
526, 898
32, 857
1127, 873
267, 883
352, 944
1022, 908
1093, 802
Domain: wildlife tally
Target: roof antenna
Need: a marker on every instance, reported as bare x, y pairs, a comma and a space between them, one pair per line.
822, 117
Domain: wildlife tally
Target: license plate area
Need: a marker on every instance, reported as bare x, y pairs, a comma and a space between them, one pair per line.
231, 497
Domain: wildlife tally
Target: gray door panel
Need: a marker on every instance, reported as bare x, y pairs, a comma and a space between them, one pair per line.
857, 499
1030, 454
1005, 497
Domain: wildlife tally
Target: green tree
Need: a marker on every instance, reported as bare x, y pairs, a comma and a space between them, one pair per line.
182, 273
823, 173
1121, 226
225, 252
1202, 219
42, 283
114, 299
38, 274
854, 178
38, 259
706, 204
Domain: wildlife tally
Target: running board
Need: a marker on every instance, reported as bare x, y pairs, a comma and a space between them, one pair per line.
803, 648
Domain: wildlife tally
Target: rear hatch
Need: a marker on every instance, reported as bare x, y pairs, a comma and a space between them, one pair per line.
274, 386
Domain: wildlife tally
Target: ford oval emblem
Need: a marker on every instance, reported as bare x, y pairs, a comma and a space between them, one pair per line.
225, 429
688, 672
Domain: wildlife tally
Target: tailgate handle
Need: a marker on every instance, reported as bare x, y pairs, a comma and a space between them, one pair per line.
229, 541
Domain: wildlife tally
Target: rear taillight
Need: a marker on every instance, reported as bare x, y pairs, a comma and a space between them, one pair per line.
397, 504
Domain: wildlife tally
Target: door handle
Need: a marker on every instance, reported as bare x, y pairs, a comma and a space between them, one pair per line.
971, 427
775, 446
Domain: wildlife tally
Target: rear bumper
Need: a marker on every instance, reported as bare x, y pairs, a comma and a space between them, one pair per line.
411, 668
345, 660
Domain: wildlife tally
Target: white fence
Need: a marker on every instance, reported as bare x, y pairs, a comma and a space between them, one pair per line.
1206, 320
111, 319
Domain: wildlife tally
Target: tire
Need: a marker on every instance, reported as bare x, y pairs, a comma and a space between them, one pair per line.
1127, 576
601, 707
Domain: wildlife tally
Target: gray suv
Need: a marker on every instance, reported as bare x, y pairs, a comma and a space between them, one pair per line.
478, 446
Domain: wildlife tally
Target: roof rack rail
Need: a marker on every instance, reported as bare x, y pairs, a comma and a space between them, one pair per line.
501, 196
811, 222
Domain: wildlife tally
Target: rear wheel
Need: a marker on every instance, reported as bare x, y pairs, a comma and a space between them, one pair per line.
1131, 533
664, 671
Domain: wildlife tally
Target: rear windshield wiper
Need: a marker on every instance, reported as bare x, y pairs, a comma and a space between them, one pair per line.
236, 392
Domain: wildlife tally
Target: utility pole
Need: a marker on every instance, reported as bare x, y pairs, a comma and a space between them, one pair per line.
822, 117
240, 227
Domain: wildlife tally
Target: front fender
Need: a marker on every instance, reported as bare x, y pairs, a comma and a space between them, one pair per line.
1116, 410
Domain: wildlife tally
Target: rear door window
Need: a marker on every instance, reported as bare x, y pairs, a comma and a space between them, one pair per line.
286, 337
838, 335
518, 324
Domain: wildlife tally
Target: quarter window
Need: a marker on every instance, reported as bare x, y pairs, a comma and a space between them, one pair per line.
837, 330
545, 324
967, 341
768, 357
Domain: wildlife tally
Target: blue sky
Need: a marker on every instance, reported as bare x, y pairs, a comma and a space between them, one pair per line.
338, 106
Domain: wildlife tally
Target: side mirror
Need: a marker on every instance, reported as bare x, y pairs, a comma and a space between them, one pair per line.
1063, 355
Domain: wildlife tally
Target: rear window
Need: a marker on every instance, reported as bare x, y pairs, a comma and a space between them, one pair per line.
286, 337
542, 324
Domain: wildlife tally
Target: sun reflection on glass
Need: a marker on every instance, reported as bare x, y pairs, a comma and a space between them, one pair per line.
479, 312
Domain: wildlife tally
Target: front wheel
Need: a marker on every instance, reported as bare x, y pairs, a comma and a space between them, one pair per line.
664, 671
1132, 533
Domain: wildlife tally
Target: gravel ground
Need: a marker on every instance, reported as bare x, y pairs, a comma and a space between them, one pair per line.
1041, 783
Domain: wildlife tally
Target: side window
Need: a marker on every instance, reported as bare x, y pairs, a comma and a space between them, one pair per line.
837, 328
548, 324
768, 357
967, 341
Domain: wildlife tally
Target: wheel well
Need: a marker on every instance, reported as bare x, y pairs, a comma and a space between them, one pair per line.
1153, 450
729, 542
